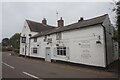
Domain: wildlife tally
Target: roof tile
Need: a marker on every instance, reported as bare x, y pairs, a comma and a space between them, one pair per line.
81, 24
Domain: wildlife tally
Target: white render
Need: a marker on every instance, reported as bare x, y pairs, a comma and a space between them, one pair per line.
25, 32
80, 43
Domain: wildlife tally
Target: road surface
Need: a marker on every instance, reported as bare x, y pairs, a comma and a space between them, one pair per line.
21, 67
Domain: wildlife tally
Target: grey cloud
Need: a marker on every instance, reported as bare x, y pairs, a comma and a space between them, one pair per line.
14, 14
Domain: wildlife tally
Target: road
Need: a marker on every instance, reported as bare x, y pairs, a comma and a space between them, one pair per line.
21, 67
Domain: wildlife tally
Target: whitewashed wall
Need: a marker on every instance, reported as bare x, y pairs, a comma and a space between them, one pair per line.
25, 31
82, 46
40, 45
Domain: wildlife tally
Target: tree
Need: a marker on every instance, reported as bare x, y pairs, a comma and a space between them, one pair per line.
117, 10
118, 20
11, 44
15, 41
115, 34
5, 42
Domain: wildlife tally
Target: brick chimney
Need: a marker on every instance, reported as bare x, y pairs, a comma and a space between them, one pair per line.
60, 22
44, 21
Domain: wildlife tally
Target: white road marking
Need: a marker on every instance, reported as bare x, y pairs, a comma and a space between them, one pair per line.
31, 75
8, 65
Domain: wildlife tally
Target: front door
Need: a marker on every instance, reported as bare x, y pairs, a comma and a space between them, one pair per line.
48, 55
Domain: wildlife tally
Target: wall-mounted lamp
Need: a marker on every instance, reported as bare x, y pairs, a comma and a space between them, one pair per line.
30, 35
57, 44
98, 42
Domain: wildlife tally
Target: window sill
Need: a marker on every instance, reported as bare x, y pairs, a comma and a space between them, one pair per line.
60, 56
34, 53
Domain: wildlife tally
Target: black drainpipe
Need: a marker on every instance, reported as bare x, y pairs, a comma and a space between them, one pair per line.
105, 44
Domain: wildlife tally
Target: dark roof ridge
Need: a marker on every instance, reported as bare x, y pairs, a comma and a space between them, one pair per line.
87, 19
96, 17
31, 20
39, 23
81, 24
38, 27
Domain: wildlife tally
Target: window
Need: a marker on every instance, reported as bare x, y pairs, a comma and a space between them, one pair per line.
35, 39
23, 40
61, 51
49, 40
45, 38
58, 36
35, 50
23, 50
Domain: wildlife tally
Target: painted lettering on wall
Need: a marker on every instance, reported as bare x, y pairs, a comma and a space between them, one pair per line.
85, 46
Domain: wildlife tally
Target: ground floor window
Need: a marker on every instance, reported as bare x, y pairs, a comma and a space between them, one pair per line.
23, 50
61, 51
35, 50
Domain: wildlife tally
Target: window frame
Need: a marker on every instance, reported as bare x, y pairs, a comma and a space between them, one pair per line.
35, 50
61, 51
22, 50
35, 39
45, 38
23, 40
58, 36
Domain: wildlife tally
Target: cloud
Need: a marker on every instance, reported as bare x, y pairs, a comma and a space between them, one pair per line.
15, 13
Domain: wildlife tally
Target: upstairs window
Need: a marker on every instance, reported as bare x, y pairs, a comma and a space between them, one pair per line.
58, 36
45, 38
35, 39
23, 40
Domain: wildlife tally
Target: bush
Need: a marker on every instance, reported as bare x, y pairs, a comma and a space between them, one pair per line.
16, 50
6, 49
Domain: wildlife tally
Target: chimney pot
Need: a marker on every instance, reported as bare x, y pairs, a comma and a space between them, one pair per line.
44, 21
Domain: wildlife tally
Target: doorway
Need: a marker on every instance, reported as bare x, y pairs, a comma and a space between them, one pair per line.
48, 54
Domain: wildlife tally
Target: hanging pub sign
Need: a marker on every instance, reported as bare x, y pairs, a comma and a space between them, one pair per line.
23, 39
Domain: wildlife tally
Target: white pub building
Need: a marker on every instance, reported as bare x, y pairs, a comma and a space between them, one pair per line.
88, 42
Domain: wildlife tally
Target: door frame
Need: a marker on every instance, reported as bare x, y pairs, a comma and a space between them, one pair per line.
48, 55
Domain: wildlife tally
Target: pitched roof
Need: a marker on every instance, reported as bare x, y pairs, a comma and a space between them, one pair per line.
38, 27
81, 24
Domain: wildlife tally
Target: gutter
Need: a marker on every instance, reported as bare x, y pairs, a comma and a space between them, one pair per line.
105, 44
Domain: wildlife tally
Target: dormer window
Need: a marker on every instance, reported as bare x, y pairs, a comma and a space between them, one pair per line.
35, 39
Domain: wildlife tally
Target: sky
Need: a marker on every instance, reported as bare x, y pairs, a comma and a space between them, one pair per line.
14, 14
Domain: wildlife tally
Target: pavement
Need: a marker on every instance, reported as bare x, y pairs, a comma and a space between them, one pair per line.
14, 67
